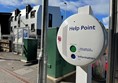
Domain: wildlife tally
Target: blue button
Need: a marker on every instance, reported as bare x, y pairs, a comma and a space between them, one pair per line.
73, 56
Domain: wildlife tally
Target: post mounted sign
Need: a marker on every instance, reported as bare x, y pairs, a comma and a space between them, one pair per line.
81, 39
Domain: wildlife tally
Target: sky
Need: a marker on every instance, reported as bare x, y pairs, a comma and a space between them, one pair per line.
68, 7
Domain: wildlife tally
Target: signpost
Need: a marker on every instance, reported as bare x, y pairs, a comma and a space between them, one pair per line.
80, 41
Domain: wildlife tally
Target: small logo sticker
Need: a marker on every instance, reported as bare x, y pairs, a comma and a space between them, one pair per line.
59, 38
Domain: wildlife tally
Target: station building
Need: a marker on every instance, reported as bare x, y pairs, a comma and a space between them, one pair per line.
27, 22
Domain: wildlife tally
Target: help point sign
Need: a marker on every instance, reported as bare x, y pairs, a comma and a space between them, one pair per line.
81, 39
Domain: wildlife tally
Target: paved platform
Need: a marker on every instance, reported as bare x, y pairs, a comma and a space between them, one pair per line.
13, 70
17, 71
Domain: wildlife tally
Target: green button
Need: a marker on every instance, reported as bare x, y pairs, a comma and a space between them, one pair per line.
73, 48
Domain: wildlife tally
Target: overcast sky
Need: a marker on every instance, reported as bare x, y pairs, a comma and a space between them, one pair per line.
100, 7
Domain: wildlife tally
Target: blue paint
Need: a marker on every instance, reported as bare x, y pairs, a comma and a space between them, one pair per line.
77, 28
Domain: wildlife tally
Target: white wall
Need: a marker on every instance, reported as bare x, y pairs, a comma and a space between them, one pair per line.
56, 21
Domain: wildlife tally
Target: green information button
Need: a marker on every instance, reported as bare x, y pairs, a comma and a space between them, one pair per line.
73, 48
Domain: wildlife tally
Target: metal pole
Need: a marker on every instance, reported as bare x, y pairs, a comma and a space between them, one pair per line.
109, 77
0, 32
22, 40
111, 46
43, 56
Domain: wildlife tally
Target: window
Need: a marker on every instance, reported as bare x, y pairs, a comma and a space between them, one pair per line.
26, 25
33, 27
11, 29
15, 18
32, 15
11, 18
28, 8
19, 20
17, 11
18, 23
27, 15
50, 20
62, 17
15, 26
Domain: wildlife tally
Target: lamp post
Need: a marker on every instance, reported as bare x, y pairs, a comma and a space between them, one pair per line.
43, 55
